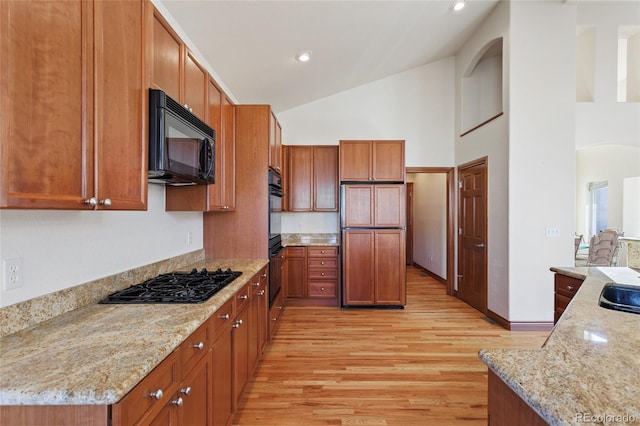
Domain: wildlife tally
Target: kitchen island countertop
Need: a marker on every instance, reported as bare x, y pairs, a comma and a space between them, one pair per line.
589, 368
96, 354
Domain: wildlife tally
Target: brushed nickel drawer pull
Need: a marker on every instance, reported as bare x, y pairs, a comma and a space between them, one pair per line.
157, 394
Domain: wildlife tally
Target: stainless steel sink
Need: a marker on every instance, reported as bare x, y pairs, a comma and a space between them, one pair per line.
620, 297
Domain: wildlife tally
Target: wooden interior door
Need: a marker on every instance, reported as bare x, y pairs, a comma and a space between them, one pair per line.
472, 237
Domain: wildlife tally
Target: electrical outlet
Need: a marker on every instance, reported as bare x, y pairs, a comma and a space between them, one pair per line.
552, 232
12, 273
189, 238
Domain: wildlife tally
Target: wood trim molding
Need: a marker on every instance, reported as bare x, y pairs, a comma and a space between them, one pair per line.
519, 325
502, 322
481, 124
431, 274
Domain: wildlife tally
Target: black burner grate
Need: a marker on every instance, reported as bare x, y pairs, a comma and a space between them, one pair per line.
176, 287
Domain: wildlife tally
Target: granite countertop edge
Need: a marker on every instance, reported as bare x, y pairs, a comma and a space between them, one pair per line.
588, 364
35, 362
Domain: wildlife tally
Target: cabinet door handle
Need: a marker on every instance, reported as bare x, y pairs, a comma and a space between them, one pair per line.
322, 263
157, 394
261, 293
199, 346
177, 402
93, 201
243, 297
225, 316
569, 287
106, 202
256, 284
186, 391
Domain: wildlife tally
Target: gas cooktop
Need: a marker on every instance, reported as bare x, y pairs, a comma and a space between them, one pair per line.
176, 287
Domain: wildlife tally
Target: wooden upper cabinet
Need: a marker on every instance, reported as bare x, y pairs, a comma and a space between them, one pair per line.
300, 178
222, 195
122, 104
379, 161
325, 178
196, 80
59, 55
167, 58
275, 144
312, 178
380, 205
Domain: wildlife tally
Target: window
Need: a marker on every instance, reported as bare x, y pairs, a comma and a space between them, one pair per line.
598, 206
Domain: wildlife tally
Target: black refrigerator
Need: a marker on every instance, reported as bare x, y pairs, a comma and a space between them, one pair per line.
373, 233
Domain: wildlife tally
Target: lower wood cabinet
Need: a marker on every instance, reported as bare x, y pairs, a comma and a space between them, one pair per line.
374, 267
311, 275
295, 272
565, 288
275, 313
222, 396
506, 408
197, 384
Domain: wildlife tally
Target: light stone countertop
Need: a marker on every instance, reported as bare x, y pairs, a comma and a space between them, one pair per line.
590, 364
96, 354
310, 240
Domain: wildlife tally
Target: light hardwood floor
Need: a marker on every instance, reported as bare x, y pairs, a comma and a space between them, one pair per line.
416, 366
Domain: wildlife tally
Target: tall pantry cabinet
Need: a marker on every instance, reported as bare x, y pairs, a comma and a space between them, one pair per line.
243, 233
373, 223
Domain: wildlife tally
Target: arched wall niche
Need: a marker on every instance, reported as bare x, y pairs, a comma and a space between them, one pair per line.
482, 87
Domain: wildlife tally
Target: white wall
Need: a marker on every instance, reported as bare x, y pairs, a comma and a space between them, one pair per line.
310, 223
541, 152
605, 120
430, 221
611, 163
416, 105
490, 140
61, 249
631, 208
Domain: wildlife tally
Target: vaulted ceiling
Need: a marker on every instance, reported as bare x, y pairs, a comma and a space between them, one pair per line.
252, 45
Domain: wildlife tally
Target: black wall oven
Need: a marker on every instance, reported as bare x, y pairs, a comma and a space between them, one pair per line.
276, 251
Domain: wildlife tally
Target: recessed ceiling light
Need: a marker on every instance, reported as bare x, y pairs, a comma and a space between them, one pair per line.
458, 5
304, 56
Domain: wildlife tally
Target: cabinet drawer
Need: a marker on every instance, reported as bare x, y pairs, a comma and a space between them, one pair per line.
561, 302
242, 296
152, 393
322, 251
318, 289
566, 285
322, 263
326, 274
194, 347
223, 316
274, 314
295, 251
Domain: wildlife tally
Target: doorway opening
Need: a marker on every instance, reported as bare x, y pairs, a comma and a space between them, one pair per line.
426, 216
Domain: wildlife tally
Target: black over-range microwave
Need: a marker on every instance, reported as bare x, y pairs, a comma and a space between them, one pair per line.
181, 146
